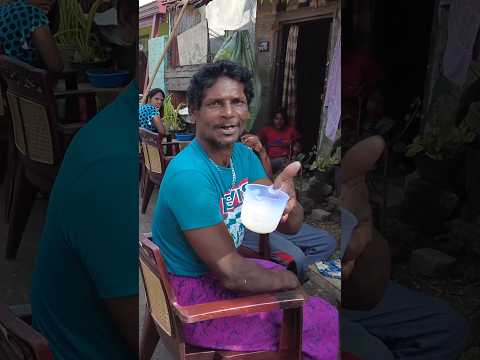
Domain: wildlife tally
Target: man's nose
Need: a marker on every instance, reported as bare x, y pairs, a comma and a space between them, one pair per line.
227, 109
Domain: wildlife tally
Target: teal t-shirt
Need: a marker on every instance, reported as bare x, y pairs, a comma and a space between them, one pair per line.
196, 193
89, 248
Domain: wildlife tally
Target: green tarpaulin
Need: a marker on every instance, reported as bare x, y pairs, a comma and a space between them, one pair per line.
236, 47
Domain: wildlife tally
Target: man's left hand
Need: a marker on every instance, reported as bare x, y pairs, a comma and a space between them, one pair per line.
284, 182
253, 142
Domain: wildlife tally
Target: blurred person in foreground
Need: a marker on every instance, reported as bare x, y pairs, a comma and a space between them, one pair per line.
379, 318
84, 292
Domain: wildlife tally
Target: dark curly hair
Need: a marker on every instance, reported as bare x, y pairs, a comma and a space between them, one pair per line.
208, 74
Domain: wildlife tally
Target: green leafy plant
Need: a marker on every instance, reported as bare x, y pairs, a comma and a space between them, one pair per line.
325, 163
75, 30
171, 119
311, 162
442, 142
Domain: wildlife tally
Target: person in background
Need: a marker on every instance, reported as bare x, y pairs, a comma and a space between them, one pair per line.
150, 114
280, 140
25, 33
308, 245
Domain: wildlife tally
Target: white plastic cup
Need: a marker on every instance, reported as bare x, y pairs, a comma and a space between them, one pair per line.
262, 208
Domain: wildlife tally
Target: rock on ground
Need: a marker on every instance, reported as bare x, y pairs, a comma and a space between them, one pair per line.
430, 262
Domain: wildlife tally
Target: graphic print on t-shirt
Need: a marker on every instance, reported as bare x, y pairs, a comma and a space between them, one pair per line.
231, 210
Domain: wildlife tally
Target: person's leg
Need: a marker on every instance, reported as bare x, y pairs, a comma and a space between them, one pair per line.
278, 163
413, 325
356, 340
316, 245
309, 245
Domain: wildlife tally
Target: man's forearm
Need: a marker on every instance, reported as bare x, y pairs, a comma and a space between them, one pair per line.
247, 276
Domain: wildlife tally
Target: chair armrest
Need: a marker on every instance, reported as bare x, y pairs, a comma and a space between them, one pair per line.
239, 306
69, 129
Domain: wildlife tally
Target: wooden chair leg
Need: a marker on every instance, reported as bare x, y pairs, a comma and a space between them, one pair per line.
291, 333
3, 161
264, 246
147, 193
143, 178
9, 180
23, 199
149, 337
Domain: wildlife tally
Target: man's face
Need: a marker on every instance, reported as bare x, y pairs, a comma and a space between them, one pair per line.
223, 113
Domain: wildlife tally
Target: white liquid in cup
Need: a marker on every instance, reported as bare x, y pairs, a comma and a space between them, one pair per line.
262, 208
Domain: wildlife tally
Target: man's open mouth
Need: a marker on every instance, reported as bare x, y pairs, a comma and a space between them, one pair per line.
228, 127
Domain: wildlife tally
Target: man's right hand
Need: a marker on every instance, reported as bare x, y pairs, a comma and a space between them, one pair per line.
289, 279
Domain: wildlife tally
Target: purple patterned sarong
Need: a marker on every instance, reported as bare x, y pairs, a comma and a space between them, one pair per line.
253, 332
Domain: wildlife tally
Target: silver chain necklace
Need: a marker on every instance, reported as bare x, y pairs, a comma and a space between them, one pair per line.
232, 168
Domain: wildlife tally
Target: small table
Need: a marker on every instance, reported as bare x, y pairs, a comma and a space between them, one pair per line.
327, 288
179, 145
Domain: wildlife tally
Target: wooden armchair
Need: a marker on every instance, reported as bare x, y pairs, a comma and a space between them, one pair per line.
39, 137
164, 316
19, 341
154, 163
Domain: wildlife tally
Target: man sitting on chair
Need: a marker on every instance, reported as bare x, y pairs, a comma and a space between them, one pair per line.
197, 224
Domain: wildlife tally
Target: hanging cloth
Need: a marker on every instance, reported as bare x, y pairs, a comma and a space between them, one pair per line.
289, 94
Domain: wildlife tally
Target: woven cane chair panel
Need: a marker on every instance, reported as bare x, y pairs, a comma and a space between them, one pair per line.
17, 123
153, 161
37, 131
156, 298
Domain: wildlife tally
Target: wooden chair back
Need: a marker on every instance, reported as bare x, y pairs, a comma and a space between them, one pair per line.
33, 110
19, 341
158, 292
152, 149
